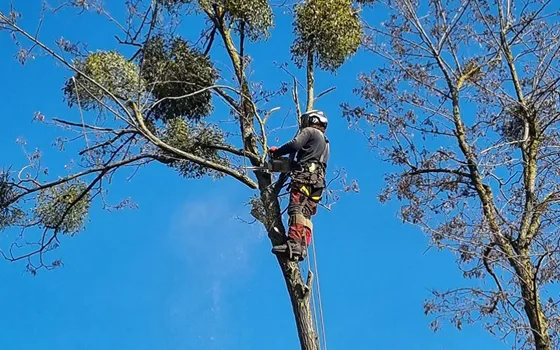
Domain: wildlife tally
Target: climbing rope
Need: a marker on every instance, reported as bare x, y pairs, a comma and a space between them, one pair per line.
313, 305
320, 334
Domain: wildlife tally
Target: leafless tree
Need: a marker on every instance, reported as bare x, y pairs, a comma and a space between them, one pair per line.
465, 105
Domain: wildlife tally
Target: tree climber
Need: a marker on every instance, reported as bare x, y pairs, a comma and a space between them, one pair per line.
308, 181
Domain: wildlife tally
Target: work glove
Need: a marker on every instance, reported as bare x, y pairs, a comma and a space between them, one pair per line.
272, 150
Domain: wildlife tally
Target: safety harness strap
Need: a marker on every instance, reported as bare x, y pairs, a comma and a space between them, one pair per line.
299, 219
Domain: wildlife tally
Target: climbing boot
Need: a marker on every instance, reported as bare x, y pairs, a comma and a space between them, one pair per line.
292, 248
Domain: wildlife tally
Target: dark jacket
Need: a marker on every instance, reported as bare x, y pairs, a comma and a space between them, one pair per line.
310, 144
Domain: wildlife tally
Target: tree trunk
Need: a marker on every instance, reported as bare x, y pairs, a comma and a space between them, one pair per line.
300, 294
533, 307
299, 291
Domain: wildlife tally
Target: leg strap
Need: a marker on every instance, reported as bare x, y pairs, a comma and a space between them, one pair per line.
302, 220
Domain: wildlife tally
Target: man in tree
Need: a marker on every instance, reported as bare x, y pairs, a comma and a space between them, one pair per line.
311, 147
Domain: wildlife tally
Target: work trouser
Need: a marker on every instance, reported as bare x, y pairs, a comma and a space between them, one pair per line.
302, 206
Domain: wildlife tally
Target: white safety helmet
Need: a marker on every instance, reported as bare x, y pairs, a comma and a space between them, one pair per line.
314, 117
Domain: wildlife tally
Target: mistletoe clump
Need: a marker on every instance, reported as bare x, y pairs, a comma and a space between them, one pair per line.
104, 75
64, 207
199, 139
328, 29
176, 75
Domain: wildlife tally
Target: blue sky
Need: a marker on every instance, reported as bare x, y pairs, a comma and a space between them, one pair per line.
182, 272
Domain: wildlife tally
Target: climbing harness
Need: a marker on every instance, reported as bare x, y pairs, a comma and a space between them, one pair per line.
306, 191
